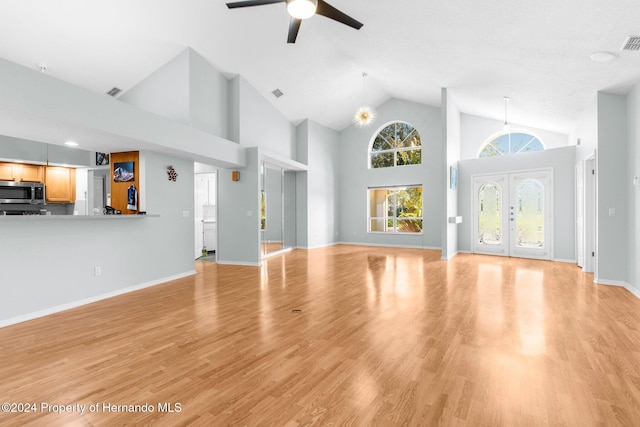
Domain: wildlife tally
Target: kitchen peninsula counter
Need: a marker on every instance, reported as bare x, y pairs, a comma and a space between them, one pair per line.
72, 217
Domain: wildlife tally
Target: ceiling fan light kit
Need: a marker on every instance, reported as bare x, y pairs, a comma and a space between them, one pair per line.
303, 9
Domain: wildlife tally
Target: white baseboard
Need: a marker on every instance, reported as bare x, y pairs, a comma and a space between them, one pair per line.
444, 258
246, 264
389, 245
85, 301
326, 245
568, 261
635, 291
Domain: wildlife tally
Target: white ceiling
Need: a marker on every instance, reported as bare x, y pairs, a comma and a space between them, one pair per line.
537, 53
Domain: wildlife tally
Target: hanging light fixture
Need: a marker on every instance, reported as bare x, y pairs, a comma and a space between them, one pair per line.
365, 115
302, 9
505, 127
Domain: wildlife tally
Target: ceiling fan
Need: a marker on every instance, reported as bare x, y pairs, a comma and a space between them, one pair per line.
303, 9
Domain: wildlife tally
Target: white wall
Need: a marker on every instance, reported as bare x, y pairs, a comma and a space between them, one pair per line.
451, 138
131, 252
611, 189
259, 124
586, 130
476, 130
302, 180
186, 89
323, 185
356, 177
41, 153
54, 104
165, 92
561, 160
209, 93
633, 192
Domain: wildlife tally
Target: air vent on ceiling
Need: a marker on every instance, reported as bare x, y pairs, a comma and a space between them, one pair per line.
631, 43
277, 93
114, 92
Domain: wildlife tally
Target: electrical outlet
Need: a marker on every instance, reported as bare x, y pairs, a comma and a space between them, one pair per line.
97, 270
185, 214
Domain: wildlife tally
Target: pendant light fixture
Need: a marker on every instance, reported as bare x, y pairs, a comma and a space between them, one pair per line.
505, 127
365, 115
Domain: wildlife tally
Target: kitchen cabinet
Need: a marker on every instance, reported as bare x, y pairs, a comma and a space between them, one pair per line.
29, 173
21, 172
60, 184
6, 171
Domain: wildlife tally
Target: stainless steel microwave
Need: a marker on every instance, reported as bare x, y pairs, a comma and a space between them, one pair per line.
22, 192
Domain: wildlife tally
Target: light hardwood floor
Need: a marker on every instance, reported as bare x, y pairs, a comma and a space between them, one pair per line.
385, 336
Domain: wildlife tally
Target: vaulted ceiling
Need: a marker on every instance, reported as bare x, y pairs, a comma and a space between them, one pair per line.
537, 53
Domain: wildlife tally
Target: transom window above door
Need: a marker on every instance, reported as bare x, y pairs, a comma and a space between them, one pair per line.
397, 144
507, 143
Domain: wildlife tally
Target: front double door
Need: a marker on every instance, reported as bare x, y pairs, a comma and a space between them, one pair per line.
512, 214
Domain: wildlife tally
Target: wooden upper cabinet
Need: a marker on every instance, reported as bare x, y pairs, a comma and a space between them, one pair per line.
60, 184
21, 172
6, 171
30, 173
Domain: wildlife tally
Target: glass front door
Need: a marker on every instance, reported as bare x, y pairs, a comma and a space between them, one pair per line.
512, 214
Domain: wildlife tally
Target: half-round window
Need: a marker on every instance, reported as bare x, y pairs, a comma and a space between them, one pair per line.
396, 144
507, 143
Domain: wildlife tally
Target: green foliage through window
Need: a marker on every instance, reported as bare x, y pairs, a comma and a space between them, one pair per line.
395, 209
397, 144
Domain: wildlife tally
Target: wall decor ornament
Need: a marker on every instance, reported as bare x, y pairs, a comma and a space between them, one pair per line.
173, 175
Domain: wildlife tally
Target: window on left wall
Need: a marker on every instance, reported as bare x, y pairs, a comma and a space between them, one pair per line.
395, 209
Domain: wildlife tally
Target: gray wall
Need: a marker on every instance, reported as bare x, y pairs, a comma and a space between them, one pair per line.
476, 130
239, 213
131, 252
633, 192
356, 177
611, 193
561, 160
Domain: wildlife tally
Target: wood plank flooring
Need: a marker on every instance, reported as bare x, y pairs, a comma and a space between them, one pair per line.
385, 336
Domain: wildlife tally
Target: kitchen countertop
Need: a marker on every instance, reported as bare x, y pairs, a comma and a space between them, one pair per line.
72, 217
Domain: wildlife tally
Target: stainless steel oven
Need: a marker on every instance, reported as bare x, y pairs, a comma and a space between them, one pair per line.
22, 192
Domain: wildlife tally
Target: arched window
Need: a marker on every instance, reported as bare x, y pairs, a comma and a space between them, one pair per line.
397, 144
507, 143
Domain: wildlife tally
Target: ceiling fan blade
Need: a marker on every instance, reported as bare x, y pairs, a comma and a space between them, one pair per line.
325, 9
294, 27
252, 3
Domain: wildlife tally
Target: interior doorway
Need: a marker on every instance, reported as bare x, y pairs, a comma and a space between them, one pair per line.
205, 215
512, 214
